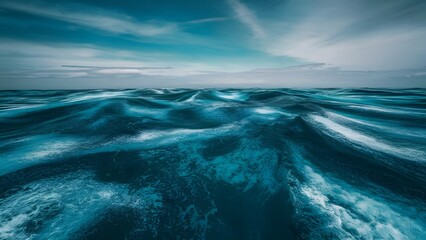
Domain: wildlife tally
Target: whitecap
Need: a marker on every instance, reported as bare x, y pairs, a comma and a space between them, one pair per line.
271, 113
411, 132
193, 98
239, 96
89, 96
266, 111
365, 141
331, 208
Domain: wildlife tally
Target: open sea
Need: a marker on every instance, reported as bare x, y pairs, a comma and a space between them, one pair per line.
213, 164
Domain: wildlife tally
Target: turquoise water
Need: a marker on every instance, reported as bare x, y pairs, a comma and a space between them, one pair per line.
213, 164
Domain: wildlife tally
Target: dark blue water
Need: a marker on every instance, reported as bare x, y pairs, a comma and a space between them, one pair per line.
213, 164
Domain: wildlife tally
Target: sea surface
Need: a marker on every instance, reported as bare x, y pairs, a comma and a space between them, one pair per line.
213, 164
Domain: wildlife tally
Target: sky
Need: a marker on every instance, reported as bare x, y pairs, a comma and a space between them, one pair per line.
79, 44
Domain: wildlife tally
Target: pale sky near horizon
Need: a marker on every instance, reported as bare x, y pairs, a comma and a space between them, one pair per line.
225, 43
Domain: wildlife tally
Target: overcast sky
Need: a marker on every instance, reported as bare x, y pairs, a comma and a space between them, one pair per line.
220, 43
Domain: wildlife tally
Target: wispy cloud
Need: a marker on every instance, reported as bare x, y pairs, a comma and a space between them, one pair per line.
15, 54
32, 60
247, 17
93, 70
313, 75
352, 35
385, 50
95, 18
207, 20
103, 67
359, 35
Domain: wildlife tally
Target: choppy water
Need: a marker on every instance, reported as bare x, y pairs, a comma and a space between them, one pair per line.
213, 164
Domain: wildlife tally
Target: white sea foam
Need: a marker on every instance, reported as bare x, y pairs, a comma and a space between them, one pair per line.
167, 136
90, 96
158, 91
266, 111
13, 107
393, 110
346, 212
193, 98
199, 220
371, 108
60, 206
162, 137
366, 141
420, 133
51, 148
271, 113
37, 149
147, 112
15, 110
231, 95
247, 166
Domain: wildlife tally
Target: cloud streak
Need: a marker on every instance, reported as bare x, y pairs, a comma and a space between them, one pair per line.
94, 70
96, 19
360, 35
207, 20
311, 75
103, 67
247, 17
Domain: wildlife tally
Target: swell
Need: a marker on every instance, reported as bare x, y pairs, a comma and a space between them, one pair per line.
336, 154
213, 163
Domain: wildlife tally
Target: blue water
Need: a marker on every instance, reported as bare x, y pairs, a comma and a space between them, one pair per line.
213, 164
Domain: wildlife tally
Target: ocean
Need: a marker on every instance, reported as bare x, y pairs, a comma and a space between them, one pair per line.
213, 164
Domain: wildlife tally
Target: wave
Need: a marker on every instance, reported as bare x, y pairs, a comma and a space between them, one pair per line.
331, 208
213, 163
367, 142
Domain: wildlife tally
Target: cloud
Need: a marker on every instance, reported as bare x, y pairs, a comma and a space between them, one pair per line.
310, 76
356, 35
207, 20
301, 76
396, 49
18, 55
118, 70
15, 54
96, 19
332, 36
103, 67
156, 31
32, 60
247, 17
